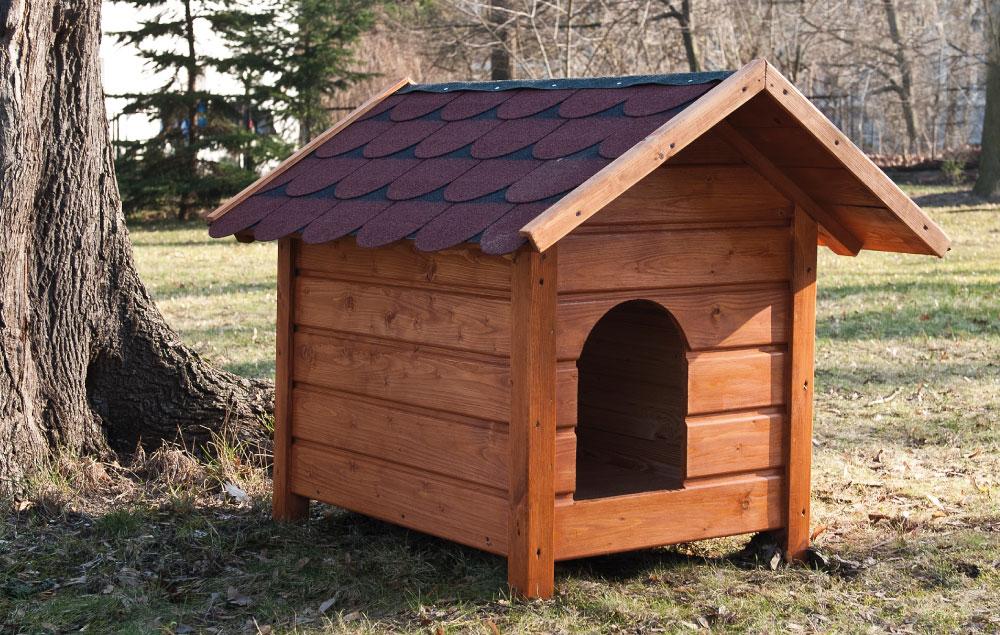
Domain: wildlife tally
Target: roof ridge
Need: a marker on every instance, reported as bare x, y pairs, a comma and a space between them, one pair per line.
573, 83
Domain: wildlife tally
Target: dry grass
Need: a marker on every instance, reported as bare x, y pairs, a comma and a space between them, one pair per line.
905, 492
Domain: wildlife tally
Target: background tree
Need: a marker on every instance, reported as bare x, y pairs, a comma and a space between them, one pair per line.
191, 163
300, 51
86, 360
988, 183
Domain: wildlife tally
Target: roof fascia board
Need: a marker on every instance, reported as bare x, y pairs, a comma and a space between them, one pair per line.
308, 148
838, 238
593, 194
857, 162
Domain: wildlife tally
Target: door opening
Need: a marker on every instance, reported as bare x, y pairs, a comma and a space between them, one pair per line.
631, 403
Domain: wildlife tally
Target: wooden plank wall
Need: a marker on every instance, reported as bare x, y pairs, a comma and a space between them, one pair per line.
401, 372
711, 241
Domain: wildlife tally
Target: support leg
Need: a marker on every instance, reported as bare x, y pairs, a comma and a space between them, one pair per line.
285, 504
800, 401
530, 564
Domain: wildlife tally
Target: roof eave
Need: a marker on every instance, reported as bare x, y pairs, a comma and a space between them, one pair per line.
707, 112
307, 149
603, 187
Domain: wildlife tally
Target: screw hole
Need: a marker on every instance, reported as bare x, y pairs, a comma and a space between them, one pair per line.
803, 513
784, 92
541, 281
744, 89
805, 385
671, 146
925, 227
538, 554
578, 213
836, 142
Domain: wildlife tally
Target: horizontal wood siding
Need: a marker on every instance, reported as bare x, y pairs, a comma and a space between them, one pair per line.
637, 521
435, 317
738, 379
414, 498
461, 447
440, 379
665, 259
695, 194
462, 266
710, 317
734, 442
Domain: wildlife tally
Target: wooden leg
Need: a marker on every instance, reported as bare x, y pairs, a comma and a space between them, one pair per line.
285, 504
800, 403
530, 556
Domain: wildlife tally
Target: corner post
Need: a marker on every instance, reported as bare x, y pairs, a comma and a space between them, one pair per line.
285, 504
530, 562
800, 402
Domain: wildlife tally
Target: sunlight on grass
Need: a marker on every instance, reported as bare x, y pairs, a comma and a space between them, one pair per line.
218, 294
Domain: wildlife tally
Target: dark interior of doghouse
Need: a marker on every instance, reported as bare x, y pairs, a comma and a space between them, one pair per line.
632, 401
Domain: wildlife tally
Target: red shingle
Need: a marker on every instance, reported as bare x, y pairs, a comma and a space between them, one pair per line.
554, 177
291, 217
322, 174
474, 102
531, 102
489, 176
351, 137
342, 219
511, 136
246, 214
400, 137
454, 135
419, 104
459, 223
376, 175
398, 221
429, 176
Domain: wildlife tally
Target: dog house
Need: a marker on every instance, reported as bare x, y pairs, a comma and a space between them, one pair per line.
560, 318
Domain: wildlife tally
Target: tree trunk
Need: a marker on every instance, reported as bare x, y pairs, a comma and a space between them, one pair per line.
687, 36
988, 183
905, 88
501, 61
86, 360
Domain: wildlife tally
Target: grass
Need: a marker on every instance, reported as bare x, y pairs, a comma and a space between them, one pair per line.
906, 489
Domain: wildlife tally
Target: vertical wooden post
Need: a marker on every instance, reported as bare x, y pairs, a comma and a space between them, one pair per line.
530, 564
800, 401
285, 504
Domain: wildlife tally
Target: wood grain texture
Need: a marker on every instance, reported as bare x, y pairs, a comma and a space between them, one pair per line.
532, 424
792, 146
467, 384
706, 149
285, 505
437, 505
638, 521
924, 230
461, 447
736, 379
784, 180
800, 373
709, 317
696, 194
420, 316
879, 228
735, 442
625, 171
656, 260
308, 148
463, 267
567, 376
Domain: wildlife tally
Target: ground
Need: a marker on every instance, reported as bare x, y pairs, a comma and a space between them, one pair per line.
905, 503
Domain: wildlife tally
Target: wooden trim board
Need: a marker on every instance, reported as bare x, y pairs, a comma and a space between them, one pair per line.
840, 240
532, 432
874, 179
625, 171
800, 385
307, 148
285, 505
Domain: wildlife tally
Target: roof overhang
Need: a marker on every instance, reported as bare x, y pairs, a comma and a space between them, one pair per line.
855, 204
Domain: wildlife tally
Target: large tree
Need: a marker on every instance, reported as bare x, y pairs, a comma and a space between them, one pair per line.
988, 183
86, 360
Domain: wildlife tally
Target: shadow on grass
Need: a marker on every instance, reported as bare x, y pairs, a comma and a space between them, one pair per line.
170, 292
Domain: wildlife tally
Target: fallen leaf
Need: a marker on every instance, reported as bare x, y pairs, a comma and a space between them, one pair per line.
301, 563
819, 529
325, 606
237, 598
352, 616
934, 501
237, 493
493, 627
938, 514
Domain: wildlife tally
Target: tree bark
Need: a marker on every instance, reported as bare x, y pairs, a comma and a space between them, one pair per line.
905, 88
501, 61
988, 183
87, 362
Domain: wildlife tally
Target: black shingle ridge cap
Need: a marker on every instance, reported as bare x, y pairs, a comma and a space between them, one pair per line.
673, 79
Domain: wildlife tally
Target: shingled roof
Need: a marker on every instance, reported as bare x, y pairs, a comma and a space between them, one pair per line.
502, 162
447, 163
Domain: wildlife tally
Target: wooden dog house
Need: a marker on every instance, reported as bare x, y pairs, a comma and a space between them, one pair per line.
561, 318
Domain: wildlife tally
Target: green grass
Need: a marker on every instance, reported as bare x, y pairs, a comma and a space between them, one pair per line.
907, 413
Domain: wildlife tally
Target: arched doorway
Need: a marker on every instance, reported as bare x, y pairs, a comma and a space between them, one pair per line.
631, 403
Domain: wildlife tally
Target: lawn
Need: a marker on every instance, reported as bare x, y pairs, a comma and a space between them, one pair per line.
905, 505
